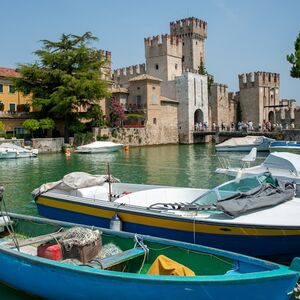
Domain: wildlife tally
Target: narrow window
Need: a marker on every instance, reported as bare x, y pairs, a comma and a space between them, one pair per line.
154, 120
156, 66
195, 92
11, 89
12, 107
1, 88
176, 66
183, 58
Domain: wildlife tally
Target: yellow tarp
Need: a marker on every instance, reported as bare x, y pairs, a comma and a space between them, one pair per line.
166, 266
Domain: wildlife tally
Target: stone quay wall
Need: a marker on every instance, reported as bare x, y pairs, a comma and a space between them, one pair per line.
45, 145
149, 135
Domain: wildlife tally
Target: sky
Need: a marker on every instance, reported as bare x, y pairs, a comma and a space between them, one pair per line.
243, 36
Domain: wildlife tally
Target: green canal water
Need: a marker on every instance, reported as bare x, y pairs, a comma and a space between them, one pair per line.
179, 165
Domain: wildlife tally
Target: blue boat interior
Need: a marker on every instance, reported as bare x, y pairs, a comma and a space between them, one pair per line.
137, 254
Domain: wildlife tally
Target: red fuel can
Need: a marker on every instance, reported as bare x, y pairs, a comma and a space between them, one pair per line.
50, 251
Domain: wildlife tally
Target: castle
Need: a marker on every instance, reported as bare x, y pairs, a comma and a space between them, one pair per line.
168, 91
168, 97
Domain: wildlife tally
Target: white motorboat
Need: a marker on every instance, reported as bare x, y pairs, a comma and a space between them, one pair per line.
99, 147
9, 150
251, 215
283, 165
242, 144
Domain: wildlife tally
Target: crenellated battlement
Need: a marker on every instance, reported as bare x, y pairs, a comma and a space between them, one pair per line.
189, 27
106, 55
219, 88
122, 75
161, 45
255, 79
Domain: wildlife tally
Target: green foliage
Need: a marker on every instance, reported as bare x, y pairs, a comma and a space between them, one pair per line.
77, 127
134, 117
103, 137
94, 112
65, 78
202, 70
2, 127
32, 125
83, 138
47, 124
294, 59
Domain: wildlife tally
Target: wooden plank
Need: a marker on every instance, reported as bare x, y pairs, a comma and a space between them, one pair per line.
38, 239
113, 260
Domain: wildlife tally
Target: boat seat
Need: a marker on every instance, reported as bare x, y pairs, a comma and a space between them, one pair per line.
113, 260
38, 239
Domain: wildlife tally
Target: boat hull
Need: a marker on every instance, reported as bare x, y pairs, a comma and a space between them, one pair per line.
273, 243
100, 150
49, 279
12, 155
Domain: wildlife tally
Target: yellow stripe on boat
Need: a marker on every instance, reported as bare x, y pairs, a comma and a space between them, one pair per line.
187, 225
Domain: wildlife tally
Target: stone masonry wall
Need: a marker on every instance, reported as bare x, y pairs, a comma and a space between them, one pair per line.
149, 135
48, 145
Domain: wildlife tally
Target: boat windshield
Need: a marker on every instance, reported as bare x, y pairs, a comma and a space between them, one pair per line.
230, 189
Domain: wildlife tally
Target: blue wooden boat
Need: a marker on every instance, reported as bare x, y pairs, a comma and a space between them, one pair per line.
271, 233
217, 274
286, 146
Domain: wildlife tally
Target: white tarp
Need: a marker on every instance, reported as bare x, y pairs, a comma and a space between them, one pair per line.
74, 181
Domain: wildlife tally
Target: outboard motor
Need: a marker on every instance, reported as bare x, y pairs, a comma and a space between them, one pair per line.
115, 223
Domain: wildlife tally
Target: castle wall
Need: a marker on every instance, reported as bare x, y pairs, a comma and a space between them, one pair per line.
122, 75
222, 108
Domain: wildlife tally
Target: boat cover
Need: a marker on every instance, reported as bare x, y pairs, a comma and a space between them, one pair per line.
243, 141
74, 181
12, 146
266, 195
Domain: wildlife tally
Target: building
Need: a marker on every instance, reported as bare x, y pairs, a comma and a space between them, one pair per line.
14, 106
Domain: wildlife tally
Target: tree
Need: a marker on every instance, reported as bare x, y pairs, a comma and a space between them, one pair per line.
116, 112
46, 124
32, 125
66, 78
2, 127
95, 113
294, 59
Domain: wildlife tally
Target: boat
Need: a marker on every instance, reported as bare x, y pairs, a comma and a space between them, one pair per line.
282, 165
59, 260
242, 144
99, 147
10, 150
286, 146
270, 231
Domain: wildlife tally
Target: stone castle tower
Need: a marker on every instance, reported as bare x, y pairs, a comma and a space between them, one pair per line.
259, 96
193, 33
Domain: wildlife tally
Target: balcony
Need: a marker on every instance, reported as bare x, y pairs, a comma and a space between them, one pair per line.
13, 114
136, 107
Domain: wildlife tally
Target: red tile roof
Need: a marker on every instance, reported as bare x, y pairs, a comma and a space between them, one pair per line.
7, 72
